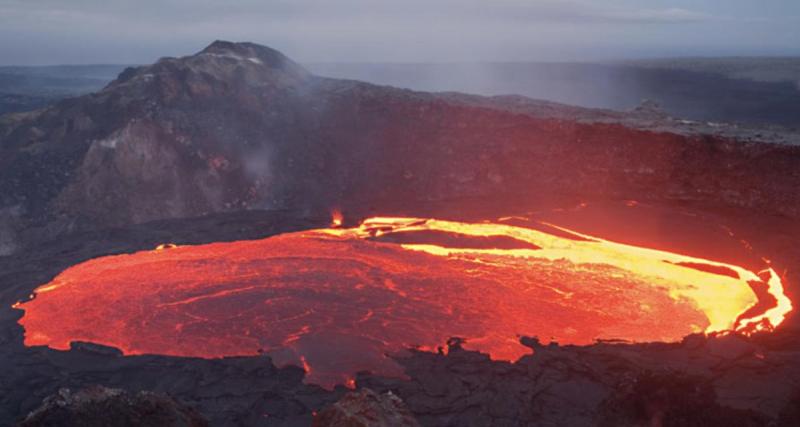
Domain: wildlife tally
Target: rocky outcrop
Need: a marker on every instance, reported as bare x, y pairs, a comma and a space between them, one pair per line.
671, 399
100, 406
365, 408
239, 126
702, 381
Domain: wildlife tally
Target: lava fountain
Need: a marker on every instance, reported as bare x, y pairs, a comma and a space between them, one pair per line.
338, 300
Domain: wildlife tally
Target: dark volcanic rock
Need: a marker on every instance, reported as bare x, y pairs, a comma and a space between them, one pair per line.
240, 126
101, 407
671, 399
679, 384
790, 415
365, 408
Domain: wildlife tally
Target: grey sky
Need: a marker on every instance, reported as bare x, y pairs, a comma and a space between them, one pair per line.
117, 31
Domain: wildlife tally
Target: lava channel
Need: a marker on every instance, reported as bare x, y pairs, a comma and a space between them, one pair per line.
337, 301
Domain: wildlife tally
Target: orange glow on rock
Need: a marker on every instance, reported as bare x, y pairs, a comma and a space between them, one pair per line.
335, 301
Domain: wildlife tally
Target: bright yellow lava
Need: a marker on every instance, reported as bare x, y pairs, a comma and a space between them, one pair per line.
721, 297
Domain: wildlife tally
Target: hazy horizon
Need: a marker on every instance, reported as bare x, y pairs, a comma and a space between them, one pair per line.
50, 32
454, 62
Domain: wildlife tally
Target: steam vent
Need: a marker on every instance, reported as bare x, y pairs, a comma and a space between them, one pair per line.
233, 239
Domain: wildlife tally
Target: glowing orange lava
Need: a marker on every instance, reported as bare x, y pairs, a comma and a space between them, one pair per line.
336, 218
336, 300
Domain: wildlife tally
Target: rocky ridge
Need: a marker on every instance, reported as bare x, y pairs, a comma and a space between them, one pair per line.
100, 406
240, 126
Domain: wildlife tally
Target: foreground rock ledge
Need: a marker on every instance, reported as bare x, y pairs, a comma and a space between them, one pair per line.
365, 408
100, 406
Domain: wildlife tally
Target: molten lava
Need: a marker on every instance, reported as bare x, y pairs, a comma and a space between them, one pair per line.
336, 218
337, 301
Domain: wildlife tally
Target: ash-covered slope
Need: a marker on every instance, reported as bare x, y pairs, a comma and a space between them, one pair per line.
240, 126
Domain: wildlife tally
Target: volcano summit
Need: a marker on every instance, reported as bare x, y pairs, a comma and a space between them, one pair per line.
240, 126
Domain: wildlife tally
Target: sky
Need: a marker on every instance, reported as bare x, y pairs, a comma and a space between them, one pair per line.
42, 32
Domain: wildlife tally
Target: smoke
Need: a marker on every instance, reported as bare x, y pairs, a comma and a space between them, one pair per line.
582, 84
686, 88
258, 170
256, 163
9, 221
7, 244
